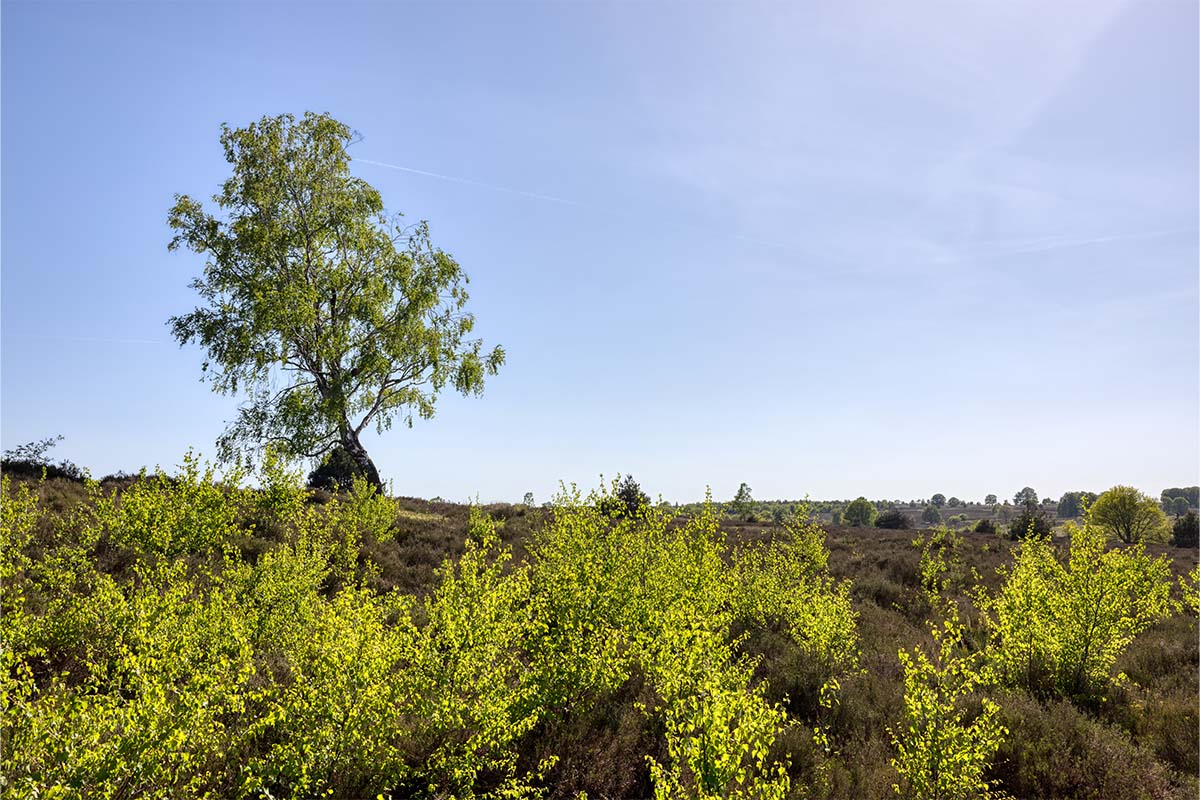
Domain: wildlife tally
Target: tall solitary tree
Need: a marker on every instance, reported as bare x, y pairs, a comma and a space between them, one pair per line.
329, 313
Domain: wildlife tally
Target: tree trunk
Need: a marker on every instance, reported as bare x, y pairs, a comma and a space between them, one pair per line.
356, 451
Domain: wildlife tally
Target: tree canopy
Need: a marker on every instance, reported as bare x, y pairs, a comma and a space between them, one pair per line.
329, 313
1025, 497
1072, 504
741, 501
1192, 493
1128, 514
860, 512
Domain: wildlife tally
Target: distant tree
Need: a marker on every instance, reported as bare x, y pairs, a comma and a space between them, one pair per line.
741, 501
31, 459
893, 519
33, 452
1179, 506
954, 502
1070, 505
1128, 514
1192, 493
631, 496
931, 515
860, 512
778, 515
990, 500
1025, 497
938, 500
1186, 531
836, 516
528, 501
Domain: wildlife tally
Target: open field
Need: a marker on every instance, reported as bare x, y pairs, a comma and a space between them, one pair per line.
174, 638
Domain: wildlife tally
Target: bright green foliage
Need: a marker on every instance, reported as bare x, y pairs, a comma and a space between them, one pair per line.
788, 580
473, 695
1129, 515
189, 513
19, 513
1189, 585
620, 593
193, 671
940, 755
941, 565
329, 710
719, 728
1061, 627
146, 712
332, 315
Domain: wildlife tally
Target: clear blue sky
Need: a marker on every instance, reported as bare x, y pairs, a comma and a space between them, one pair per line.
824, 248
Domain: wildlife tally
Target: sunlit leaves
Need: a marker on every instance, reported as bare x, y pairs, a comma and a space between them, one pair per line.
328, 313
201, 670
1061, 627
942, 753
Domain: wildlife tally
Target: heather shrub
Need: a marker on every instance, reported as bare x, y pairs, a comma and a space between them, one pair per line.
985, 526
1054, 749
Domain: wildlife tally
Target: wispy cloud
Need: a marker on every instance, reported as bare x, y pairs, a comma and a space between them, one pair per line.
1006, 247
481, 184
94, 339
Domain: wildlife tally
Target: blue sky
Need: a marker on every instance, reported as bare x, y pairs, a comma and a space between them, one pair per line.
827, 249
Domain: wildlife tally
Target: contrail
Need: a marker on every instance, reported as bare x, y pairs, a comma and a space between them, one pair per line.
577, 204
1049, 243
468, 182
99, 339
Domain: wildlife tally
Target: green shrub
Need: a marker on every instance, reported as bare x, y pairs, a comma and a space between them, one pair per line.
939, 754
1061, 627
985, 526
1186, 531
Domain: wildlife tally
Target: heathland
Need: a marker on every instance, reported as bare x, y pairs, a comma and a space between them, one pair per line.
180, 636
